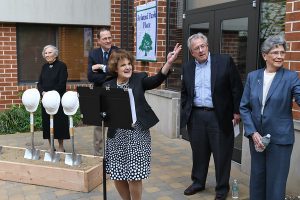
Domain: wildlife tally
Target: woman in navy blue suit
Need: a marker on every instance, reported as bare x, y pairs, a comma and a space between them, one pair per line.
128, 152
266, 108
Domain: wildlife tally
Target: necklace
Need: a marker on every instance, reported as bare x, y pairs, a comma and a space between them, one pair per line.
123, 85
51, 64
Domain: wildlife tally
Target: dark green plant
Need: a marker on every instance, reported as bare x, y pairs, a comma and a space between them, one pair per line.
272, 18
17, 120
14, 120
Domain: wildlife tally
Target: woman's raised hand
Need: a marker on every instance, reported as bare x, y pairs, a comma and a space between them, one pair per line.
171, 58
173, 55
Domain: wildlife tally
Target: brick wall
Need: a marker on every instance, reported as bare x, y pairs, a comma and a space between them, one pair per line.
115, 27
9, 89
116, 22
150, 67
8, 66
292, 35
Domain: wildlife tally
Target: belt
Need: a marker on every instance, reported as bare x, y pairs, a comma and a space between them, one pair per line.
204, 108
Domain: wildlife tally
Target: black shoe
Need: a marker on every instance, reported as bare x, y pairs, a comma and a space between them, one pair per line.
193, 189
221, 196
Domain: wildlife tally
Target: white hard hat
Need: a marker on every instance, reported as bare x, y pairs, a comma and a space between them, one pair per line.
31, 99
51, 101
70, 102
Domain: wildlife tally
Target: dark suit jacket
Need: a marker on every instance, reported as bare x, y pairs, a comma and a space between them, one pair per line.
226, 90
96, 57
139, 83
277, 119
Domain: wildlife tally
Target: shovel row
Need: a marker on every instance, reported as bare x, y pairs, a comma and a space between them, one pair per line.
51, 101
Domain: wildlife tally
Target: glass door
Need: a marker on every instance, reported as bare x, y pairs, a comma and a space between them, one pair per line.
200, 22
237, 33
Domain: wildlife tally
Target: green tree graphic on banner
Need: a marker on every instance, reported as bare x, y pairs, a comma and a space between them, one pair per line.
146, 44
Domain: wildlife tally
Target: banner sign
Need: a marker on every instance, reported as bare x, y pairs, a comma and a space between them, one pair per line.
146, 25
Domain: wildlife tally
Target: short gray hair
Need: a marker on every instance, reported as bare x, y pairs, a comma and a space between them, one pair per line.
271, 42
196, 36
55, 50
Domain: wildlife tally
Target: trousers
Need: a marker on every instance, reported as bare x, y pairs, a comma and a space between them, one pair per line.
206, 138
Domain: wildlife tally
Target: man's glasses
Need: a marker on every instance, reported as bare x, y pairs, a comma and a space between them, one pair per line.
277, 53
200, 47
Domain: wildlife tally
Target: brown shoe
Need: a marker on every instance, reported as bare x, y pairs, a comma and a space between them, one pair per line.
193, 189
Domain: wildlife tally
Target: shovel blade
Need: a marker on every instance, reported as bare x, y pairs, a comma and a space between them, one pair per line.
73, 159
32, 154
51, 157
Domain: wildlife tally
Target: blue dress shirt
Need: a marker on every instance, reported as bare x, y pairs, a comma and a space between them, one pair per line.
202, 91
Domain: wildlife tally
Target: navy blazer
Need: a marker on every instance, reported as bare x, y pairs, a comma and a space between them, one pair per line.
277, 119
96, 57
226, 90
139, 83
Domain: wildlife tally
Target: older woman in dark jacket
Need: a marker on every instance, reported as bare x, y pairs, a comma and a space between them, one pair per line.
129, 150
54, 76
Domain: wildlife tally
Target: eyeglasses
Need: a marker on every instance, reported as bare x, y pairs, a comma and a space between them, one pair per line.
200, 47
277, 53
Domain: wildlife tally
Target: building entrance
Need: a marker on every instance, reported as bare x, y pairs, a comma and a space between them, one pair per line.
231, 28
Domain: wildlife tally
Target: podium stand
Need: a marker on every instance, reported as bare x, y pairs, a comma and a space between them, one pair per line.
106, 107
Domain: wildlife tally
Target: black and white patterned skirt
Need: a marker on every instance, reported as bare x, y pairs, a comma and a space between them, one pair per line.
128, 154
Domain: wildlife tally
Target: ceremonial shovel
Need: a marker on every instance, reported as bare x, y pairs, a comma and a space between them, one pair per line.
32, 153
72, 158
51, 156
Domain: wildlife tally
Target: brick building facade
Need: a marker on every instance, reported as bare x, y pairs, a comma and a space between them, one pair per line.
10, 88
9, 85
292, 35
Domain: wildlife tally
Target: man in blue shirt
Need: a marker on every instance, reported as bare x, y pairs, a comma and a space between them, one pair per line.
210, 99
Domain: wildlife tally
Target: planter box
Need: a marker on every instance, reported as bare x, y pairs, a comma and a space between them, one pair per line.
52, 174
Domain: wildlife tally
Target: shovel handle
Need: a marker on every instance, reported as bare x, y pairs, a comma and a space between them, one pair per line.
51, 125
31, 122
71, 129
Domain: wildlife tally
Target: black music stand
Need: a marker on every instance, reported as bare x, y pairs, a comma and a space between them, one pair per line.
108, 107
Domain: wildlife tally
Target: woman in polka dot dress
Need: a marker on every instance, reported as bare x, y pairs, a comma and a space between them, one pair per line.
128, 153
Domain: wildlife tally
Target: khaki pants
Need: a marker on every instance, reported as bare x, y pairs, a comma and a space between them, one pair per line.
98, 139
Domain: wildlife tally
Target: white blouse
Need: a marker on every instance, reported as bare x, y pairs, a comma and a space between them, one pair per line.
268, 78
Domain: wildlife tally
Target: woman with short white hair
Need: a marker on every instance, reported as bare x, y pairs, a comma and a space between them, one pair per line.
54, 76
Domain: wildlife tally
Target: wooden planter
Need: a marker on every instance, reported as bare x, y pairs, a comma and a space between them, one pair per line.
52, 176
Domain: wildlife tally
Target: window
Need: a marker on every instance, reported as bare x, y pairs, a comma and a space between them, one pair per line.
73, 44
30, 42
174, 35
193, 4
127, 25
